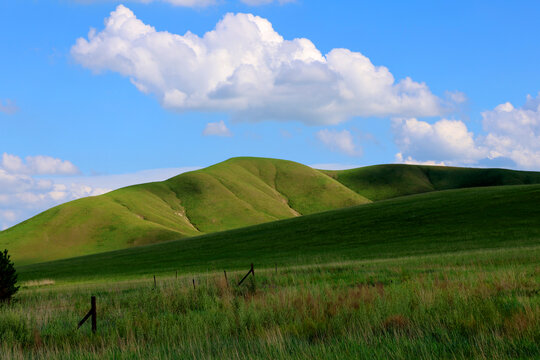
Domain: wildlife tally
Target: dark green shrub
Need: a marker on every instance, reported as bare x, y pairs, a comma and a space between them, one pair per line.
8, 278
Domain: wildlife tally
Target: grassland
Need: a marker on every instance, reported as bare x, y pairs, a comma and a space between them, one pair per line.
451, 274
381, 182
236, 193
445, 221
482, 304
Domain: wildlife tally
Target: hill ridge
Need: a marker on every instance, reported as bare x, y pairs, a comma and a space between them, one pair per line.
235, 193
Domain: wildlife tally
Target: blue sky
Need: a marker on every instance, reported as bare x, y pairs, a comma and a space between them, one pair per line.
449, 83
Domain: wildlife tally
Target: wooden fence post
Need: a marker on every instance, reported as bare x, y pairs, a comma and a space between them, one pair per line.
92, 313
226, 280
251, 271
193, 283
155, 284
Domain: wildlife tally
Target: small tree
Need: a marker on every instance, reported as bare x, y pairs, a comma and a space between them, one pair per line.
8, 277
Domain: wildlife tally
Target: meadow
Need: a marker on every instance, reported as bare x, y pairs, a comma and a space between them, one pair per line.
436, 222
452, 274
476, 304
233, 194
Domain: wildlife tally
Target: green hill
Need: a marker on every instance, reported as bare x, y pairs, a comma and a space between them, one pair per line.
380, 182
235, 193
436, 222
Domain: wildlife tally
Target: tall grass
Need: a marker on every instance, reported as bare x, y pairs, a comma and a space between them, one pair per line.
483, 305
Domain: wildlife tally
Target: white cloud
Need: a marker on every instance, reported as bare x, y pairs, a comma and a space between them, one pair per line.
446, 141
246, 68
37, 165
509, 133
514, 133
456, 97
23, 195
216, 129
341, 141
8, 107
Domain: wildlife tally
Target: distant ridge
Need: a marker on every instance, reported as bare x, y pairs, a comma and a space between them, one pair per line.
236, 193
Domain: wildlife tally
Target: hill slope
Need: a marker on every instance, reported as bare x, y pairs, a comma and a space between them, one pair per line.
381, 182
235, 193
435, 222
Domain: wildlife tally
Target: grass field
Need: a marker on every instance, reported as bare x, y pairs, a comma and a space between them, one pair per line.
448, 274
233, 194
482, 304
445, 221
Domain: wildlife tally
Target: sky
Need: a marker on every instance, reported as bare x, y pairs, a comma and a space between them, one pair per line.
100, 94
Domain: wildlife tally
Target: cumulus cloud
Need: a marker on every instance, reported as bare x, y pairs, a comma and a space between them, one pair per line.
446, 141
514, 133
216, 129
509, 134
23, 194
244, 67
37, 165
8, 107
341, 141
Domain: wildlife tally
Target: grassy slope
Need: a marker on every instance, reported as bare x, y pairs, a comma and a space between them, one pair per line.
419, 224
380, 182
238, 192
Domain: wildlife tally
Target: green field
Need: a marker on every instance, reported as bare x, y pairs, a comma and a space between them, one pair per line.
451, 274
435, 222
482, 304
233, 194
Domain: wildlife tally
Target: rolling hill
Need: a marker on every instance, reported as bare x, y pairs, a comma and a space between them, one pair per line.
430, 223
236, 193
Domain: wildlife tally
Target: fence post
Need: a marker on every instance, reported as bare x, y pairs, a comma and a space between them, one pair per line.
193, 283
94, 313
155, 285
251, 271
226, 280
177, 274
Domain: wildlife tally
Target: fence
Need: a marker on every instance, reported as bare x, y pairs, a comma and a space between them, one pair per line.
93, 308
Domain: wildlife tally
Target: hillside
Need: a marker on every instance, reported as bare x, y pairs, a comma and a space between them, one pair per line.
235, 193
436, 222
381, 182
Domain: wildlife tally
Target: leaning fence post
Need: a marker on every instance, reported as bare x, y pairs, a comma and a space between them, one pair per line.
226, 281
92, 313
251, 271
